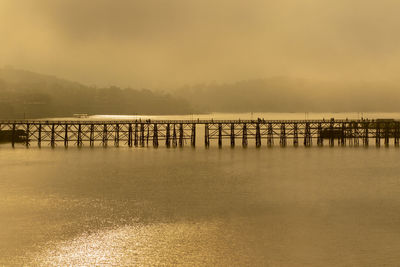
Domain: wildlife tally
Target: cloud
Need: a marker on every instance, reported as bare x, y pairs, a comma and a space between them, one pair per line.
165, 43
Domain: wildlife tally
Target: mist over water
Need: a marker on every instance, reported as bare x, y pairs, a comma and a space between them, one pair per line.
227, 207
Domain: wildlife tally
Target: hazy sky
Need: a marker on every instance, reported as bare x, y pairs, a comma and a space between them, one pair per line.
167, 43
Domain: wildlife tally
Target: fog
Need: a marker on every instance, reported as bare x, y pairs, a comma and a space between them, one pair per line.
166, 44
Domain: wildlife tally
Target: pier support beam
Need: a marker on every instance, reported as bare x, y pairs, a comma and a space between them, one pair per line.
232, 135
332, 133
206, 135
116, 135
387, 130
356, 134
378, 134
91, 137
130, 134
193, 135
343, 135
155, 135
307, 135
148, 134
52, 140
320, 139
181, 135
79, 142
270, 135
40, 135
66, 135
27, 135
105, 135
244, 137
136, 139
283, 135
258, 135
142, 135
13, 135
295, 134
366, 134
174, 140
219, 135
396, 134
167, 136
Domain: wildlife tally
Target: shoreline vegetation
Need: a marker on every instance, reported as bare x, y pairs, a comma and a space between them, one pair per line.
25, 94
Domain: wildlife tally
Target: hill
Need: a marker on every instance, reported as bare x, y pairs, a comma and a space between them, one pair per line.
32, 95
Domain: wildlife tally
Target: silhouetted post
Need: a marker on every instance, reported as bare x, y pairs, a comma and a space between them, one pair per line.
52, 140
167, 136
181, 135
116, 135
366, 134
66, 135
27, 135
270, 135
105, 135
13, 135
232, 135
206, 135
155, 135
244, 138
355, 134
135, 142
91, 137
295, 134
130, 135
396, 133
79, 143
343, 135
219, 135
193, 135
258, 135
148, 134
387, 129
40, 135
320, 139
174, 141
283, 135
377, 134
142, 134
307, 135
331, 133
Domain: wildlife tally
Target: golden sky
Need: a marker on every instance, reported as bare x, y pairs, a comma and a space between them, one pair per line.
168, 43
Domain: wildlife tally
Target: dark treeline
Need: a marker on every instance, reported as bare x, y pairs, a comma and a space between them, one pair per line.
31, 95
282, 94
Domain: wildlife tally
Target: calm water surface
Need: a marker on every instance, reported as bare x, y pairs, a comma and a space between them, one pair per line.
200, 207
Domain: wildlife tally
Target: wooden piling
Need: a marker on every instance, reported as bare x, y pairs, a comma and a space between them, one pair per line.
181, 135
244, 137
258, 135
91, 137
206, 135
66, 135
282, 139
220, 135
52, 140
193, 135
167, 136
232, 135
27, 135
155, 135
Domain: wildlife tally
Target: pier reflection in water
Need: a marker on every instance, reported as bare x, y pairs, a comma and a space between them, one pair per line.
268, 206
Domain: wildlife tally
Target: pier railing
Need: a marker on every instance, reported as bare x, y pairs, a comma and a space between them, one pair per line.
177, 133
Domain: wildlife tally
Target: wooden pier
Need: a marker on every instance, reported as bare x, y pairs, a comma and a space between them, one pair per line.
178, 133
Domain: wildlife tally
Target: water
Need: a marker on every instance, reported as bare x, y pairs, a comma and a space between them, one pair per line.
200, 207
